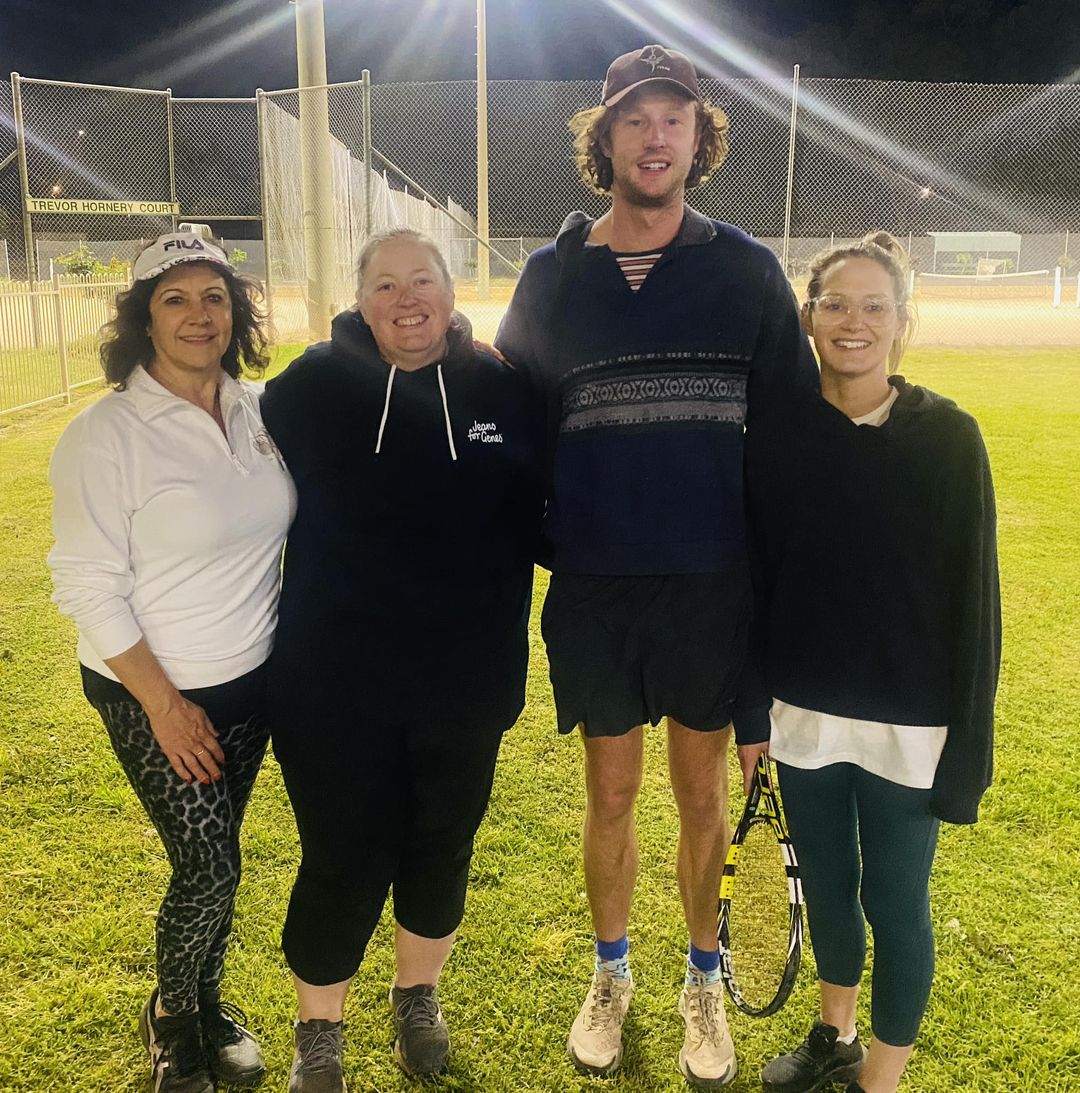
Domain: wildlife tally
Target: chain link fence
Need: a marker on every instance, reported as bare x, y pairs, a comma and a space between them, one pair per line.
978, 180
91, 151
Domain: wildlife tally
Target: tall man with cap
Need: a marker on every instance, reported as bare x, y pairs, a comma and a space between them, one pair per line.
656, 335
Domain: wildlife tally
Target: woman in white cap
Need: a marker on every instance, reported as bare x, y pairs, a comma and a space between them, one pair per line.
171, 507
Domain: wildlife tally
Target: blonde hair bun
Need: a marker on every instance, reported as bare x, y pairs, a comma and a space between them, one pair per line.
889, 244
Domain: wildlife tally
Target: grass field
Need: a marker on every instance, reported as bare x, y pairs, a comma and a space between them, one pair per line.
83, 870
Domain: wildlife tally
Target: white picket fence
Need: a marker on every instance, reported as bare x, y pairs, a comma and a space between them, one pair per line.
49, 337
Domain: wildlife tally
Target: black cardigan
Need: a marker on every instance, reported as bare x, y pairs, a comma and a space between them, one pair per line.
408, 573
876, 580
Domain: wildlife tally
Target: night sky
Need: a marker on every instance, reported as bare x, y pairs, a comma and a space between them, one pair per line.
229, 48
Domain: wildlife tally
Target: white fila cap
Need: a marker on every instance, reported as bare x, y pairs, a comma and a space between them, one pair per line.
170, 250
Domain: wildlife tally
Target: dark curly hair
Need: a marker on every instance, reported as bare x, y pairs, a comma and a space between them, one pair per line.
592, 128
127, 346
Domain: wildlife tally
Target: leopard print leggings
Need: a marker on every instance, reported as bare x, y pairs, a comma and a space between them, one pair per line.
200, 827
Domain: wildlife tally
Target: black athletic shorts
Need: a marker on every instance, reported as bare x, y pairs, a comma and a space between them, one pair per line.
626, 651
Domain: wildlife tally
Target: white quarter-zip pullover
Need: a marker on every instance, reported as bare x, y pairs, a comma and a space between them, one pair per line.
169, 530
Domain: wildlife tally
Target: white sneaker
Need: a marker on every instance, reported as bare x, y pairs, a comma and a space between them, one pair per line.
708, 1053
595, 1042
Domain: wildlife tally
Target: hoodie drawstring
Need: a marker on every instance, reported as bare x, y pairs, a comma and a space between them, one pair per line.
446, 414
446, 411
386, 407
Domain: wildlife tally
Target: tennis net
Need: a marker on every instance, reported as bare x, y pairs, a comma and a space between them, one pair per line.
1033, 284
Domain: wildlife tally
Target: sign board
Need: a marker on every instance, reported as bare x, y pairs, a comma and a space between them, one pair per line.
101, 206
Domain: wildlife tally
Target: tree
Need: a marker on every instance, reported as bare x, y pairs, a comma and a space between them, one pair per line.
82, 262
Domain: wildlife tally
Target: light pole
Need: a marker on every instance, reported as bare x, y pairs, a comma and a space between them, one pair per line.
483, 264
315, 168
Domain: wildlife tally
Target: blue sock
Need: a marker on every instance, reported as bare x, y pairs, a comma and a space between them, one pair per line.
702, 966
613, 957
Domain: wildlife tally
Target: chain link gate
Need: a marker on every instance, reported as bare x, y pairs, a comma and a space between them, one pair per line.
96, 166
216, 158
95, 175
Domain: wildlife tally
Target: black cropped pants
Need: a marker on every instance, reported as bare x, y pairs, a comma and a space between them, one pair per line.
379, 808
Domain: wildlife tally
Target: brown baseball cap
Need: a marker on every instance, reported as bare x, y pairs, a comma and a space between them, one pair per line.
652, 64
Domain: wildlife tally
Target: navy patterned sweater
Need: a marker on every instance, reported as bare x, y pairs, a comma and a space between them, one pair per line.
648, 393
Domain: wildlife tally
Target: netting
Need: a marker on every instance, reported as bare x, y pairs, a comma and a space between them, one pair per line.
364, 201
1032, 285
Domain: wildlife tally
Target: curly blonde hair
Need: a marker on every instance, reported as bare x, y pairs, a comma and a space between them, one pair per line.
592, 130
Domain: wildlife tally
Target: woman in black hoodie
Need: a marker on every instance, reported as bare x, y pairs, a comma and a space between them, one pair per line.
401, 649
878, 631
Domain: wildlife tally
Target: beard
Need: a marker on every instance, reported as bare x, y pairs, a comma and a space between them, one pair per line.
630, 194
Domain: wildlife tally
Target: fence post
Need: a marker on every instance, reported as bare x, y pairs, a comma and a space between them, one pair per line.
790, 166
483, 255
1057, 286
172, 153
28, 220
365, 98
260, 125
61, 340
316, 171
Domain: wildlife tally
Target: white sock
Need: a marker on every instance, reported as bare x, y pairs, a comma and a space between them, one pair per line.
696, 977
620, 968
849, 1039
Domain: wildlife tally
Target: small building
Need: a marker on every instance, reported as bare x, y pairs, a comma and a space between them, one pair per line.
975, 252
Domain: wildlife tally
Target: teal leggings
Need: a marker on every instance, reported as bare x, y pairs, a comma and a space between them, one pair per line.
863, 839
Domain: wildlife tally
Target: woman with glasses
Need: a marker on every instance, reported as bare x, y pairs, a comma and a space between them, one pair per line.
878, 616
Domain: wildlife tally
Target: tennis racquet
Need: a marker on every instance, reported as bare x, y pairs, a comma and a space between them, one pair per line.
759, 925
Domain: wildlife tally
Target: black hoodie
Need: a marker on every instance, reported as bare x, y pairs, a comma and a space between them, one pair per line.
876, 577
407, 577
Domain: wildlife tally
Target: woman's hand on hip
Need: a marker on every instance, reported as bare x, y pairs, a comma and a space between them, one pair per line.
182, 729
189, 741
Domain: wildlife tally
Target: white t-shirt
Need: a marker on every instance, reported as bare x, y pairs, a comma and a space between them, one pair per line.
905, 754
169, 530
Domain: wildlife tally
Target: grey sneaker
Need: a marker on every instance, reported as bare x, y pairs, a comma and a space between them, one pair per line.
316, 1065
421, 1038
177, 1063
232, 1053
820, 1060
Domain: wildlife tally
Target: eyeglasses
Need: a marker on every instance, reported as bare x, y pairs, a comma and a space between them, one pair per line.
874, 311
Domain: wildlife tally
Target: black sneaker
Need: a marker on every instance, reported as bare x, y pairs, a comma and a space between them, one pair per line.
817, 1062
177, 1062
855, 1088
421, 1040
232, 1053
316, 1065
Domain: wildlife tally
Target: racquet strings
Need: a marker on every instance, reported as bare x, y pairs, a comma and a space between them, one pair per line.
760, 916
